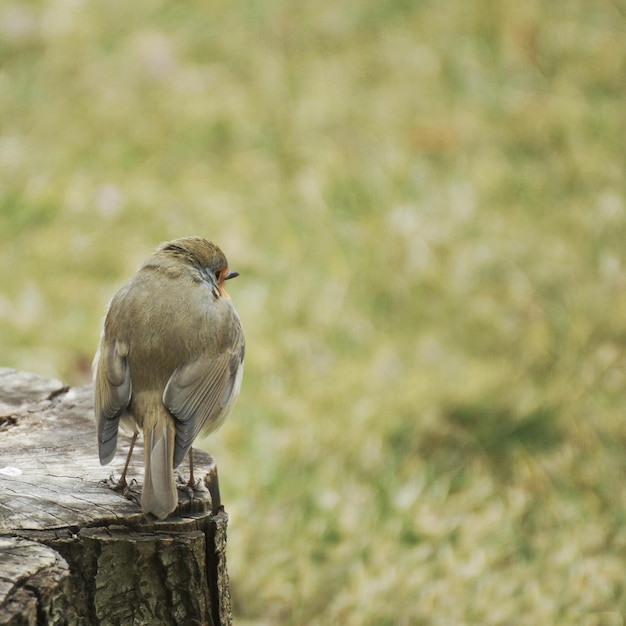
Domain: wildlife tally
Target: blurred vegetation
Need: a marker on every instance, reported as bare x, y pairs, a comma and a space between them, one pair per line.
427, 205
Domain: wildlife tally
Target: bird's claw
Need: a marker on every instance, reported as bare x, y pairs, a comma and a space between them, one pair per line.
129, 491
194, 490
115, 484
200, 489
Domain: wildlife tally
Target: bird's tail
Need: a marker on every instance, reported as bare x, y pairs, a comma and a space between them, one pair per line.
159, 495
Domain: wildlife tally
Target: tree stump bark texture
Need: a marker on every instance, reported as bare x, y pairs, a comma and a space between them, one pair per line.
72, 551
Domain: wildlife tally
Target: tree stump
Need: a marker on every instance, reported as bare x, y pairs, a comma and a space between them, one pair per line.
72, 551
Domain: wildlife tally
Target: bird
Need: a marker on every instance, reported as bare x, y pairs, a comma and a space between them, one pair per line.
169, 364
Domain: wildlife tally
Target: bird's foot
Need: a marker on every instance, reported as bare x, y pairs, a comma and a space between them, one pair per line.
130, 491
195, 489
200, 490
118, 484
183, 485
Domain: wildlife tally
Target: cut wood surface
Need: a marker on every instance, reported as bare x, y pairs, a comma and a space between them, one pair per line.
72, 551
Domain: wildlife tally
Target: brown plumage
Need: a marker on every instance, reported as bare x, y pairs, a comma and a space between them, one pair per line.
170, 361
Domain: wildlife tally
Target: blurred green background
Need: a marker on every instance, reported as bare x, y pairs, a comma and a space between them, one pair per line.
427, 205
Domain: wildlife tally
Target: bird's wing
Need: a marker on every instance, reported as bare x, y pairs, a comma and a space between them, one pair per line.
113, 389
198, 393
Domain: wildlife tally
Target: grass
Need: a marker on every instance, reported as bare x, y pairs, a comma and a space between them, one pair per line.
426, 203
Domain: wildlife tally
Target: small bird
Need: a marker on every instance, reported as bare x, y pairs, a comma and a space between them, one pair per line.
170, 362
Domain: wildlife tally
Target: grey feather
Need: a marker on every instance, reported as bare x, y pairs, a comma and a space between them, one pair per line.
159, 495
113, 389
198, 394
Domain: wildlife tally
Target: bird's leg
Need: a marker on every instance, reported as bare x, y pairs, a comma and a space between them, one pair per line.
191, 487
186, 485
121, 484
198, 487
190, 483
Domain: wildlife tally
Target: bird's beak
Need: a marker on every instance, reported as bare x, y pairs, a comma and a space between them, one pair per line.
230, 275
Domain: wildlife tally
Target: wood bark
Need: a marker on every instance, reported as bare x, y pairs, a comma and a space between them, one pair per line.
73, 551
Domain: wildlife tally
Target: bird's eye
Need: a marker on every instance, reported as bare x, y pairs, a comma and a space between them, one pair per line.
217, 274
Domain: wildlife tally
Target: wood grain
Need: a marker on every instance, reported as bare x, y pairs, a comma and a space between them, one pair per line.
72, 551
